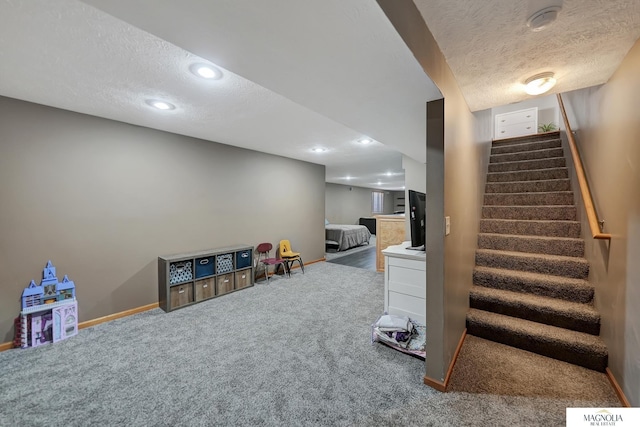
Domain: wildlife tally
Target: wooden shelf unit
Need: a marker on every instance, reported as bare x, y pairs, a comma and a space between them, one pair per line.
188, 278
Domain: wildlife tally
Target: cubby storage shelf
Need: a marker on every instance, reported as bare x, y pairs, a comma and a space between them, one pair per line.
188, 278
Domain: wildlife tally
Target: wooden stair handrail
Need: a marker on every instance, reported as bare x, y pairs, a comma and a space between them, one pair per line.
582, 179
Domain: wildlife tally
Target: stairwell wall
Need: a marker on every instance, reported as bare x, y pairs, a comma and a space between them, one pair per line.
456, 175
606, 119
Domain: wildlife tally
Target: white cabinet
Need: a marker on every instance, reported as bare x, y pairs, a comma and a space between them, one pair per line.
405, 282
516, 123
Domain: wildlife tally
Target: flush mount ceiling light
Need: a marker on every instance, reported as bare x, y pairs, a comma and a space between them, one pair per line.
540, 83
365, 141
543, 18
160, 105
205, 71
319, 150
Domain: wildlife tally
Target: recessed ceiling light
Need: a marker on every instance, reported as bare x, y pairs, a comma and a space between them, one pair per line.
347, 178
540, 83
319, 150
389, 173
365, 141
206, 71
160, 105
542, 18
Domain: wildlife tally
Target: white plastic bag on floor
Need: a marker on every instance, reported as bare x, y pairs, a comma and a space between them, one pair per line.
392, 329
393, 323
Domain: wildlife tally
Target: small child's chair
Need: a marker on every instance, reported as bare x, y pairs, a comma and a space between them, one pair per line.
289, 256
263, 250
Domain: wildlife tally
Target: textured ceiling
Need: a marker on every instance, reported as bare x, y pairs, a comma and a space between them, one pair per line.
283, 92
298, 74
491, 51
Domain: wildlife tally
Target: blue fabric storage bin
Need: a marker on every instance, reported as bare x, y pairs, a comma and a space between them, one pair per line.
243, 259
204, 267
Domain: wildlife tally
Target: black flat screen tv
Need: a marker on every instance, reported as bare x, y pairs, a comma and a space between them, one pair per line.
417, 219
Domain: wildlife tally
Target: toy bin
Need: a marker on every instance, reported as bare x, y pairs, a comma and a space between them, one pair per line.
224, 284
181, 295
205, 267
180, 271
243, 278
224, 263
205, 288
243, 259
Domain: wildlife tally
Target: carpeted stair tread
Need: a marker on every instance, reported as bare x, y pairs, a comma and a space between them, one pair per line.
565, 246
574, 347
551, 228
529, 175
525, 146
554, 198
575, 267
545, 185
566, 288
559, 212
530, 287
579, 317
534, 137
555, 162
544, 153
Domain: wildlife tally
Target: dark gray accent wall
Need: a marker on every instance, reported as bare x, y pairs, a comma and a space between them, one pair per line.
607, 122
435, 236
103, 199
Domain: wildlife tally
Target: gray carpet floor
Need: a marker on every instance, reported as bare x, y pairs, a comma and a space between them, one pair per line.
294, 352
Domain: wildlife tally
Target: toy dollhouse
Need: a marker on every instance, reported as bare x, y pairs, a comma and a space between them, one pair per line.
49, 310
49, 291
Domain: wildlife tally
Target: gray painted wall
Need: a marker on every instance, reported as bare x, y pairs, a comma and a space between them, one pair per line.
607, 120
103, 199
463, 163
346, 204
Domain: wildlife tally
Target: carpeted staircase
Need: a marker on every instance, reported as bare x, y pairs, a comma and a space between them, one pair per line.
530, 281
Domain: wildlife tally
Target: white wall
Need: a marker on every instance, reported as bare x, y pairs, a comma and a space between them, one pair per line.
548, 111
415, 178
